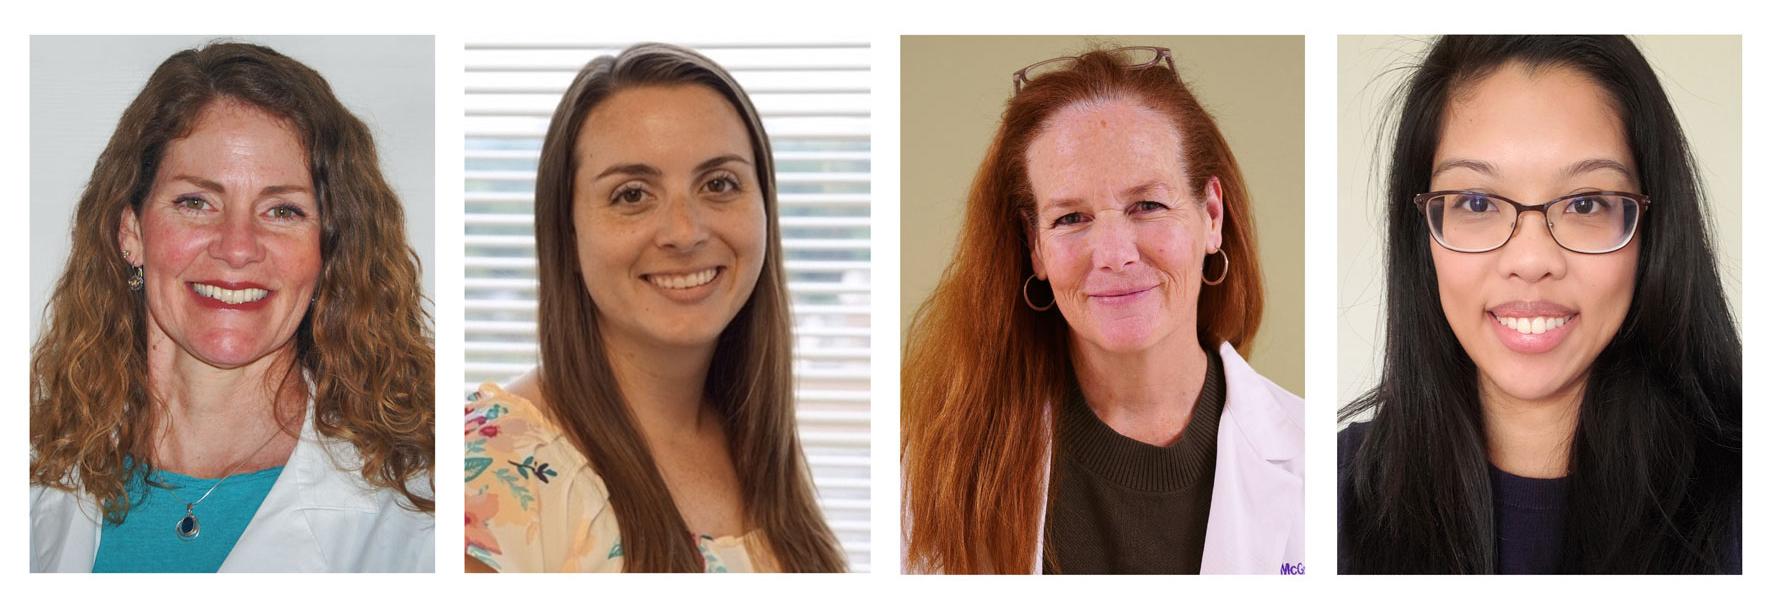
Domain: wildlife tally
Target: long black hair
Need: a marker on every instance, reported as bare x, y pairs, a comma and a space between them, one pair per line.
1656, 459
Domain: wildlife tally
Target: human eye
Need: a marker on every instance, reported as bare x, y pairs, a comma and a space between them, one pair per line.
1475, 204
628, 194
1149, 206
287, 212
190, 203
1068, 220
724, 182
1589, 205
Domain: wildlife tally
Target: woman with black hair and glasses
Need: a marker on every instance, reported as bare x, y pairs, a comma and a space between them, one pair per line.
1560, 390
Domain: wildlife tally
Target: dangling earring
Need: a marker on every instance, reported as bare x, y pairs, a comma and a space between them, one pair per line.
1030, 303
135, 276
1224, 269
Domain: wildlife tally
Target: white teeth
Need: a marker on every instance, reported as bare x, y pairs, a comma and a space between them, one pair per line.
681, 282
231, 297
1533, 326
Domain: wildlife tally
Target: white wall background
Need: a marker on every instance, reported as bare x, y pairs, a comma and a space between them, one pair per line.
80, 86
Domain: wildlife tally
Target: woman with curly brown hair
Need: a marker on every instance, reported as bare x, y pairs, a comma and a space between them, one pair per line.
235, 371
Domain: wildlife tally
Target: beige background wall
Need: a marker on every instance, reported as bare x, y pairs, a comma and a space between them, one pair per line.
953, 89
1700, 74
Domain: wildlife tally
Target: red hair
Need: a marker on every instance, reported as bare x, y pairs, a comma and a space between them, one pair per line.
981, 367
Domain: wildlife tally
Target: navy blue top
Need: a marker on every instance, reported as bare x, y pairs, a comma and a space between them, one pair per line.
1528, 514
1530, 519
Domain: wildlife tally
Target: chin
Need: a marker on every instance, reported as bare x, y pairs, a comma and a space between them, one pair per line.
1528, 381
1124, 337
687, 335
229, 352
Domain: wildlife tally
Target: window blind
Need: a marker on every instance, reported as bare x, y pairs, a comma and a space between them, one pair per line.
814, 99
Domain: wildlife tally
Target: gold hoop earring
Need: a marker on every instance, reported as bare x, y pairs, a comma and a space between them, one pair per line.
1225, 268
1030, 303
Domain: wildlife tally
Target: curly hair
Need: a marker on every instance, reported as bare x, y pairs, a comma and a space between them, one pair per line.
365, 342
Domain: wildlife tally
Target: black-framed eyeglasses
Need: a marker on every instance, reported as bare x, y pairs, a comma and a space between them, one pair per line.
1136, 58
1594, 222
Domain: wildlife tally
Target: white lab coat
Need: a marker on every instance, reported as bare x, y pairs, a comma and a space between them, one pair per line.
318, 517
1257, 515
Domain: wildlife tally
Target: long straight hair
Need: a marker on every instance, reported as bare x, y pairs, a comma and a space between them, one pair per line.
750, 377
1655, 462
981, 367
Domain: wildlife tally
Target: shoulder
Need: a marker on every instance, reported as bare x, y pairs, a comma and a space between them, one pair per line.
532, 500
1349, 440
1272, 418
501, 426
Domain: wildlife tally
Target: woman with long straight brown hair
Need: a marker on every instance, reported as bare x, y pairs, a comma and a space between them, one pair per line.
1123, 432
658, 434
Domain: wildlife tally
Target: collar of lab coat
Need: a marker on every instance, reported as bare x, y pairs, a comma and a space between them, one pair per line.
1256, 517
315, 517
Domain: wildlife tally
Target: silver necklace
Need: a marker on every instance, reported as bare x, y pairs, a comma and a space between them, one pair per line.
188, 527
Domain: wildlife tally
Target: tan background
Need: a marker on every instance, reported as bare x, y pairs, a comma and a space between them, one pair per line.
1700, 74
953, 89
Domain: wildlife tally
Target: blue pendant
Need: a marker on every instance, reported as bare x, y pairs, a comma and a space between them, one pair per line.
188, 528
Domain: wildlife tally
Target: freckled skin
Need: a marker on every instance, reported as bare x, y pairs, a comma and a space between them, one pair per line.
681, 220
1115, 215
189, 231
1531, 127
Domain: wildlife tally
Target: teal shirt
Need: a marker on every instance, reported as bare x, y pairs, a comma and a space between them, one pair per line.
146, 541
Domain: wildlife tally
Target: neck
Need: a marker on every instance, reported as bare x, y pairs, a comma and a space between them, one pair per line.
1530, 438
663, 384
1147, 395
215, 421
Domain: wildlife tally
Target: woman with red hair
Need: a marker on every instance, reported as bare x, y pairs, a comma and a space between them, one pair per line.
1075, 397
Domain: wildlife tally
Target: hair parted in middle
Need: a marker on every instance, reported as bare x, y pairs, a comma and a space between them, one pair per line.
750, 376
982, 368
365, 343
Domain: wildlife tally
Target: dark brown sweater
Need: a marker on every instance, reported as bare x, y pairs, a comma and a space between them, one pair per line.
1120, 506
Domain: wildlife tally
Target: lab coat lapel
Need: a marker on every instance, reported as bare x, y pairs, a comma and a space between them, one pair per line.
286, 534
1256, 519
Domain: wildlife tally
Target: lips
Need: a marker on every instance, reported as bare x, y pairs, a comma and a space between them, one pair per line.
1532, 327
688, 285
1119, 295
221, 294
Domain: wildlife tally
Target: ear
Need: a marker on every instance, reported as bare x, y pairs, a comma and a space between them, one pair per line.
129, 236
1215, 205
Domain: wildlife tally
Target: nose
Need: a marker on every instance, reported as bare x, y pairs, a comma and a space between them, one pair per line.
1112, 242
1532, 254
237, 240
682, 226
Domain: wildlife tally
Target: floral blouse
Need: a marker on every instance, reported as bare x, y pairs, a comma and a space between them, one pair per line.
534, 504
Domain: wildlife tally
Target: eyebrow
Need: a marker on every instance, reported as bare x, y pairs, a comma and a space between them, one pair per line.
1146, 188
1475, 165
1590, 165
211, 185
1138, 190
643, 169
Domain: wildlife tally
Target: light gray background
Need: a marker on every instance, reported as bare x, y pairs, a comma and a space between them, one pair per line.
80, 86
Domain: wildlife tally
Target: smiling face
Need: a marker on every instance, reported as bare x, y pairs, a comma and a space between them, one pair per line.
1531, 315
1118, 235
669, 214
228, 238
